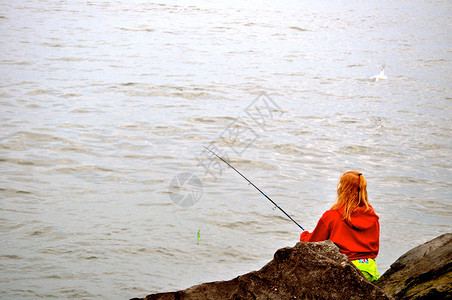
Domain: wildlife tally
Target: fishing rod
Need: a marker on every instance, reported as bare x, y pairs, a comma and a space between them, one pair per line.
276, 205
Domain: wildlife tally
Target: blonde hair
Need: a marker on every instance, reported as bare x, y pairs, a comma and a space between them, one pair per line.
351, 194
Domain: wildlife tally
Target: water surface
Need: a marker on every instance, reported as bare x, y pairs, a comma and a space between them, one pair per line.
103, 103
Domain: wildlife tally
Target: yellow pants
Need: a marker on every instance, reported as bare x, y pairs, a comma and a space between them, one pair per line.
368, 267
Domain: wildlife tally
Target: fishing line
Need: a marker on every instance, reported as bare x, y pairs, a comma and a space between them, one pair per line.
276, 205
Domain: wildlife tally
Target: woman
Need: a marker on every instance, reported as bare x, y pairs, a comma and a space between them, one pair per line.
351, 224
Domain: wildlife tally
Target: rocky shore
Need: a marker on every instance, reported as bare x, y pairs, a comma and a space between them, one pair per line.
424, 272
319, 271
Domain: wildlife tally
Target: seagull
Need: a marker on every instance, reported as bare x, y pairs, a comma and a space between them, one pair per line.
380, 76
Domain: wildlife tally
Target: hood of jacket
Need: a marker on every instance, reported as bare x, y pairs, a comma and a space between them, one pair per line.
362, 219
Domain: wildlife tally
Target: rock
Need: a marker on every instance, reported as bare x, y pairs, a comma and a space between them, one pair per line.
306, 271
424, 272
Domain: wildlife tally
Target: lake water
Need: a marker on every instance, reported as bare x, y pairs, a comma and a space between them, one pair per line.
105, 104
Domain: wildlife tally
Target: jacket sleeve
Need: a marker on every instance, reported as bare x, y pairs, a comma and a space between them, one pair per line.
320, 233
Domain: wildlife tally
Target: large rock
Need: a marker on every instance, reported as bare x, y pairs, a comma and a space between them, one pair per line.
424, 272
306, 271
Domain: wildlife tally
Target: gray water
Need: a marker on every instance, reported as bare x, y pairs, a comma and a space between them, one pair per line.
103, 103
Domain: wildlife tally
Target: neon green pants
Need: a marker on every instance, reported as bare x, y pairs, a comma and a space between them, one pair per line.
368, 267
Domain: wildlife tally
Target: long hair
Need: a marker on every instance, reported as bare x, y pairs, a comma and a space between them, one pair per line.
351, 194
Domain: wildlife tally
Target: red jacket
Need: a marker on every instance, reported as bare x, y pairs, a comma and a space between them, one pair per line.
359, 238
